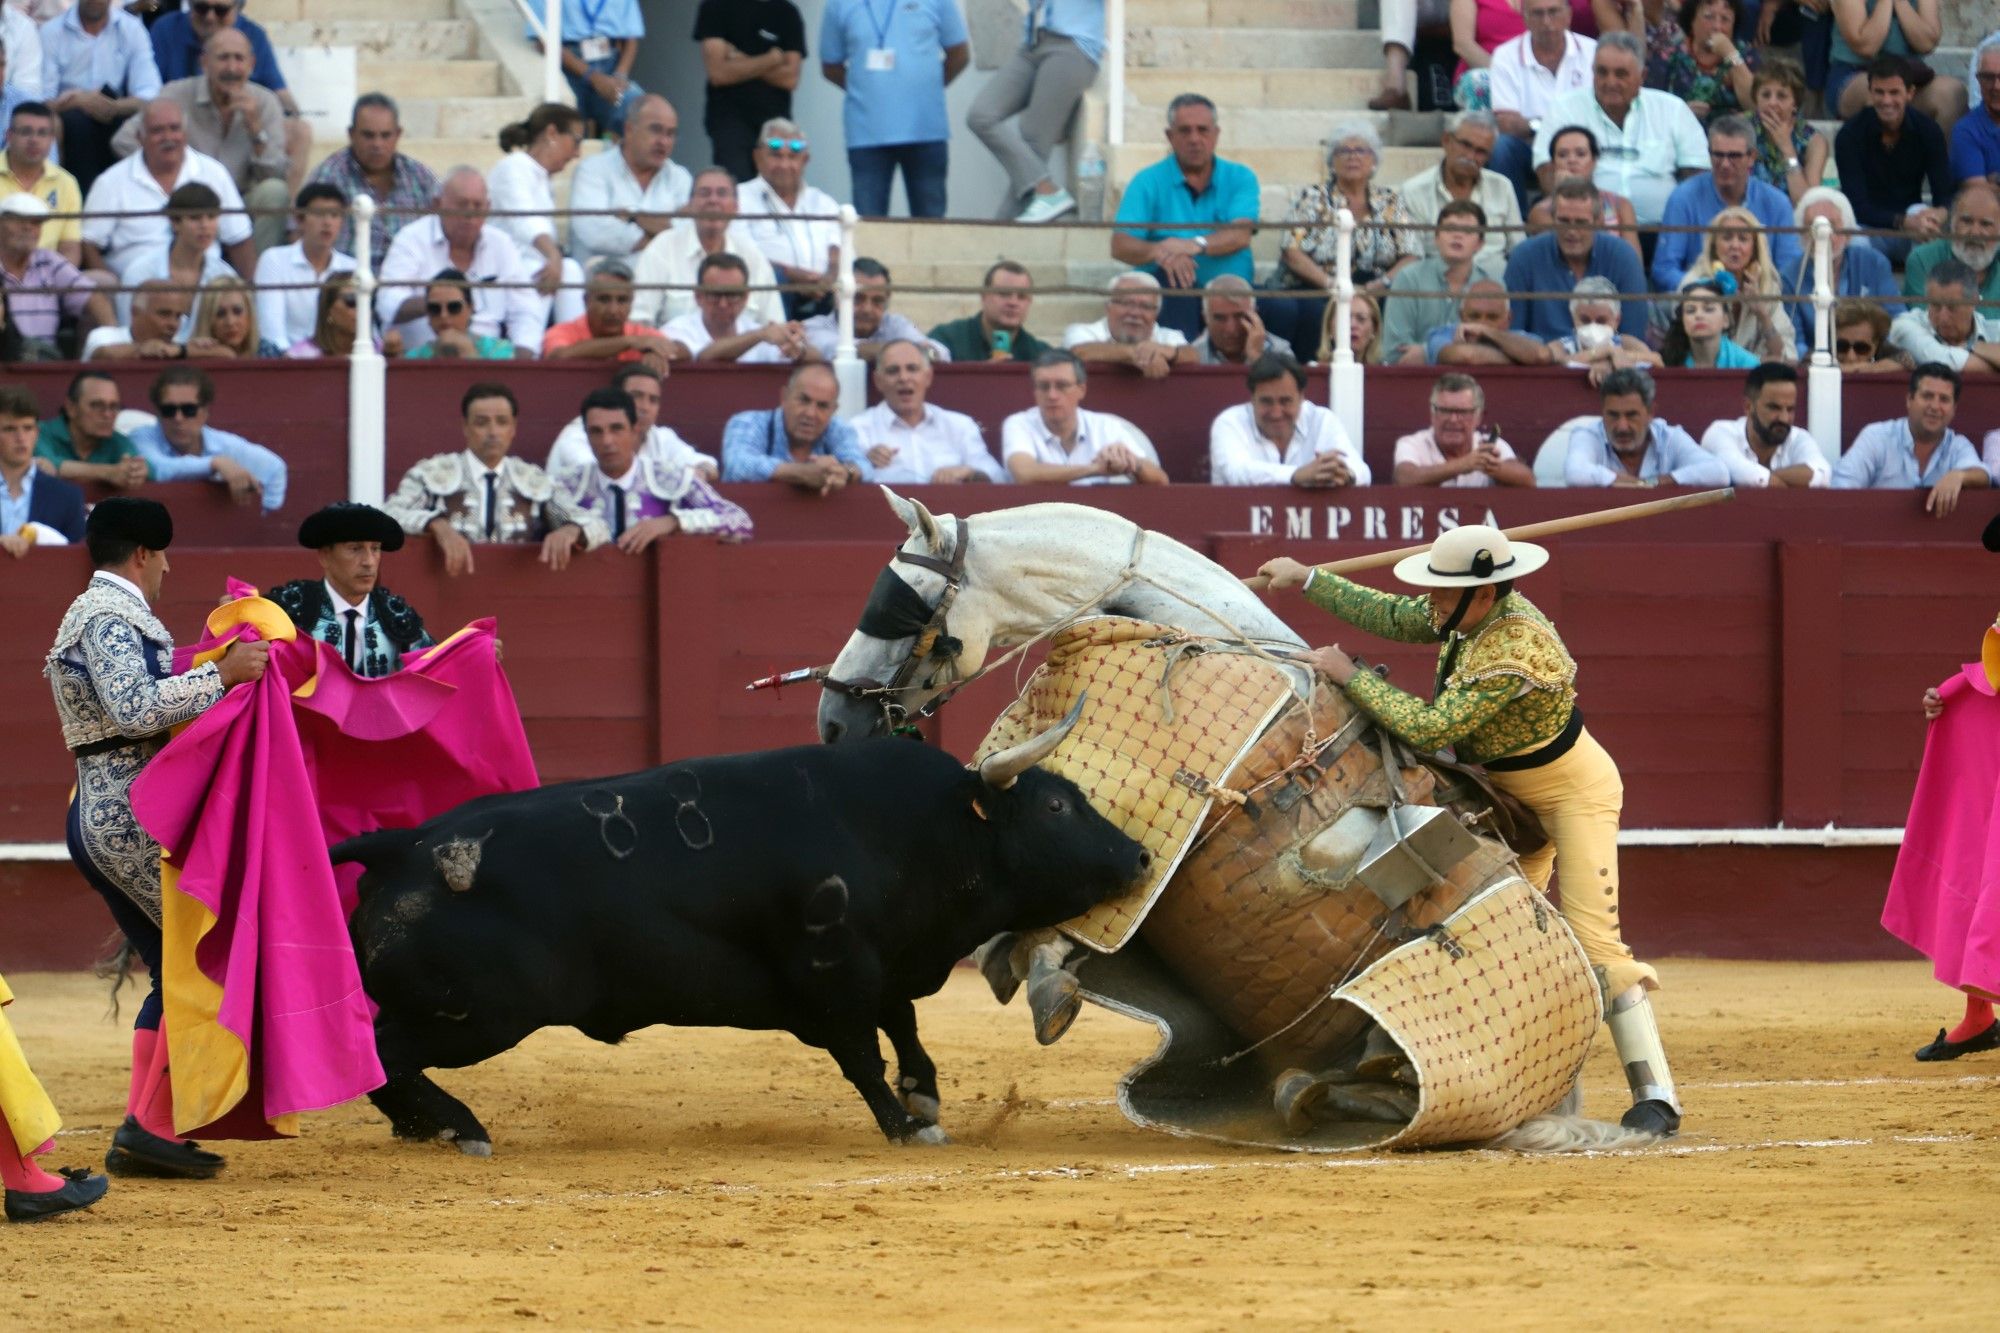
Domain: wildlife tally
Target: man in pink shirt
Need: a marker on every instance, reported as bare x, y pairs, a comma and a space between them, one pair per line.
1457, 450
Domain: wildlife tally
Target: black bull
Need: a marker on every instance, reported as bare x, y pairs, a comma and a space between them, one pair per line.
817, 890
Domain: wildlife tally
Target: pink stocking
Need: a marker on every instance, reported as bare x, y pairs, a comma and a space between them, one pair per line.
156, 1094
143, 1042
20, 1173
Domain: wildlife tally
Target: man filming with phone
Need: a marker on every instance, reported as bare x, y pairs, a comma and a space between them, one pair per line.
997, 332
1458, 449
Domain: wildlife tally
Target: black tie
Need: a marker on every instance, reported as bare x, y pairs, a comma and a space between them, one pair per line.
618, 513
353, 640
491, 479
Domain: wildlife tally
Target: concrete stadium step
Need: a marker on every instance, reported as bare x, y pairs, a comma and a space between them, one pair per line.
1254, 88
1342, 15
434, 39
409, 80
1252, 48
268, 12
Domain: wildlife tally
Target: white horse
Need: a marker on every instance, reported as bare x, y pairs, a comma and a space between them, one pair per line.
998, 580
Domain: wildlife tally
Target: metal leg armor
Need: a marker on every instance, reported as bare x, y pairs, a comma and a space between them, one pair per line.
1636, 1036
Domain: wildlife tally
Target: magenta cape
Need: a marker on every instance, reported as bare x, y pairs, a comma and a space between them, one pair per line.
265, 1012
1944, 899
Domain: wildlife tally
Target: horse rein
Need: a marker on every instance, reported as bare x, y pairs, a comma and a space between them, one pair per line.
933, 637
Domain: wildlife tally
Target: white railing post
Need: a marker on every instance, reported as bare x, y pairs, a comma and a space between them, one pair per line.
1114, 57
367, 374
553, 82
1344, 389
849, 370
1823, 375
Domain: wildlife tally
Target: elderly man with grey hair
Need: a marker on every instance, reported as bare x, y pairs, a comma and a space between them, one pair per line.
1235, 335
1648, 141
1462, 174
1130, 332
1596, 343
1629, 446
458, 236
793, 223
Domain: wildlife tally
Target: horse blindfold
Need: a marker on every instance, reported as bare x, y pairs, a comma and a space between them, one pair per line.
896, 611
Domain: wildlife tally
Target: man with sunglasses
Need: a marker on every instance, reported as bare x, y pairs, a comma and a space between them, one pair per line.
178, 38
793, 223
1732, 152
182, 446
752, 52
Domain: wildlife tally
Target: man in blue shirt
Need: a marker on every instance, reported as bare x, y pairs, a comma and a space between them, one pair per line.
894, 58
1975, 139
1920, 451
177, 41
97, 69
800, 441
1207, 206
1576, 248
1732, 150
600, 41
1630, 447
182, 446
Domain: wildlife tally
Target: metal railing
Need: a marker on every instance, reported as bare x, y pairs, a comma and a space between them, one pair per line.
547, 25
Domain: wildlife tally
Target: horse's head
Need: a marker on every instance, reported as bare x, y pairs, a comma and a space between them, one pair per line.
925, 626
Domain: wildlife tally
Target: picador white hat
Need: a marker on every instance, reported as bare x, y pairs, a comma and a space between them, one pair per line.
1470, 556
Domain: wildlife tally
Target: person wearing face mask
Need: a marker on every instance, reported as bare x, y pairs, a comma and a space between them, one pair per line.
1974, 225
1945, 328
1597, 344
1763, 447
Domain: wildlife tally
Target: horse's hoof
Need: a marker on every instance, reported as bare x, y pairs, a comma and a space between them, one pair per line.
1653, 1116
1055, 1000
1295, 1096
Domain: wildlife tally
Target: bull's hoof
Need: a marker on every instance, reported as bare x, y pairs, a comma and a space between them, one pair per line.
1055, 999
474, 1147
921, 1105
930, 1135
1653, 1116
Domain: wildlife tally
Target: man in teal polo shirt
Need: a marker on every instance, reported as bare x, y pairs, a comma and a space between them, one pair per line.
82, 443
1209, 206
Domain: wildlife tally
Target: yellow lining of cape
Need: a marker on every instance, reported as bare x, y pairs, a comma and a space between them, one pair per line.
30, 1114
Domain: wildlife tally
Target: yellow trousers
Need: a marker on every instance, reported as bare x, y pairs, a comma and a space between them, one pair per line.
29, 1112
1578, 798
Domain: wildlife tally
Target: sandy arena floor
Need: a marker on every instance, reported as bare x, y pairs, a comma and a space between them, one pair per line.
732, 1180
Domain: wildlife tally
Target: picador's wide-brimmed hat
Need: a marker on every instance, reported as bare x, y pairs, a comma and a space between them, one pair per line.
1470, 556
131, 518
347, 521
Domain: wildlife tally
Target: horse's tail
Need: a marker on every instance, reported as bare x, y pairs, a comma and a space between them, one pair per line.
1570, 1133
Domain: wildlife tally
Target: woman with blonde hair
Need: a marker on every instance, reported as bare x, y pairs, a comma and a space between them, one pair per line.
225, 322
1364, 331
1736, 258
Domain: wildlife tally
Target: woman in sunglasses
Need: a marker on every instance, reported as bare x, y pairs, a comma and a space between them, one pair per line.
334, 330
1861, 339
448, 307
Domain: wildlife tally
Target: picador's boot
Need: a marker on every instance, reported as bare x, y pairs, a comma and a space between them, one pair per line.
1054, 996
1656, 1108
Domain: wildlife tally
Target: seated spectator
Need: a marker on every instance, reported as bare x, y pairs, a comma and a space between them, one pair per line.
1629, 446
1946, 328
1130, 333
1573, 156
337, 328
458, 236
26, 168
1209, 202
21, 55
752, 56
128, 201
484, 493
1235, 334
1530, 72
1886, 153
800, 442
288, 276
1975, 139
179, 37
721, 329
1481, 336
14, 348
909, 440
1695, 340
1791, 154
1057, 442
1459, 259
1736, 257
644, 385
182, 446
370, 164
225, 322
189, 260
1462, 177
520, 185
1596, 344
1866, 32
1457, 449
605, 331
634, 494
448, 311
1858, 270
1044, 80
599, 46
665, 274
1917, 450
1279, 438
83, 444
1649, 139
33, 502
42, 287
640, 182
1577, 248
1763, 447
1974, 224
159, 313
97, 69
875, 325
1727, 187
1861, 339
235, 122
793, 223
1383, 243
997, 332
1654, 24
1713, 72
1364, 331
893, 117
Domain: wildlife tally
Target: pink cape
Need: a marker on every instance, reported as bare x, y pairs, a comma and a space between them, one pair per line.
1944, 899
246, 802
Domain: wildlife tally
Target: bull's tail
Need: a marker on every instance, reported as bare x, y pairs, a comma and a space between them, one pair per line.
1570, 1133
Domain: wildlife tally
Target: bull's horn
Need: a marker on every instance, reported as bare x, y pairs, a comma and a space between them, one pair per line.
1000, 770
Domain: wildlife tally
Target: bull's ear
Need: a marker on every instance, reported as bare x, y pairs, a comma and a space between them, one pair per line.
916, 518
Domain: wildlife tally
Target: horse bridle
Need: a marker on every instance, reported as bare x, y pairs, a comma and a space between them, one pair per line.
896, 611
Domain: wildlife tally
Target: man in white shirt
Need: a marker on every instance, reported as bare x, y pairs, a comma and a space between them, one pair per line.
1057, 442
721, 329
801, 251
459, 237
23, 41
909, 441
1762, 447
1280, 439
1530, 72
1456, 450
875, 324
639, 180
1647, 141
1468, 141
1130, 333
1947, 328
671, 259
645, 386
139, 185
289, 276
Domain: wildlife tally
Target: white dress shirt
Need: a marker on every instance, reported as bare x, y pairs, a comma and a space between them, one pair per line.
1025, 433
1730, 441
691, 333
605, 180
571, 451
675, 255
286, 315
519, 183
1640, 159
1524, 85
24, 52
1239, 455
341, 606
420, 251
942, 439
791, 240
1100, 332
127, 187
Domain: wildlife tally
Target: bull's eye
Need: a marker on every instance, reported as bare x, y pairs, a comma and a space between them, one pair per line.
1058, 806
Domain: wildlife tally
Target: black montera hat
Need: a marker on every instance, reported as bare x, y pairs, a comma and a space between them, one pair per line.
131, 518
1990, 539
347, 521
